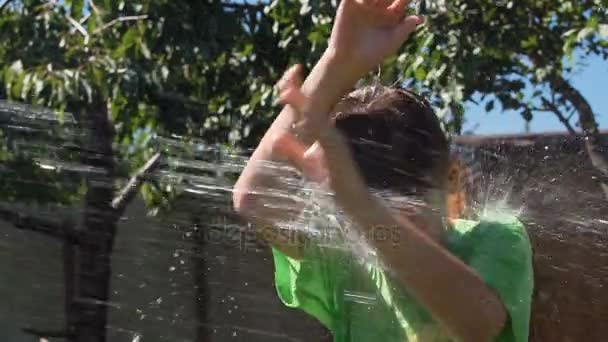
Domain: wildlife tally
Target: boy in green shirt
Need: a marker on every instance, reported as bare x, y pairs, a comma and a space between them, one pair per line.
406, 274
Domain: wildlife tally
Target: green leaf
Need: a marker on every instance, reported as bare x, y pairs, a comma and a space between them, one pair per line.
144, 50
128, 40
27, 85
17, 86
602, 29
17, 66
584, 33
420, 74
77, 9
531, 42
527, 115
489, 106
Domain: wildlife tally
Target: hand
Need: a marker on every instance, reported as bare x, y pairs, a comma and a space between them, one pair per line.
309, 160
328, 161
367, 31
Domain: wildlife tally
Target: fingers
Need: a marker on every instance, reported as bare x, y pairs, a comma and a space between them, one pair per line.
378, 3
394, 6
408, 26
398, 6
294, 97
293, 76
308, 161
288, 147
315, 158
289, 89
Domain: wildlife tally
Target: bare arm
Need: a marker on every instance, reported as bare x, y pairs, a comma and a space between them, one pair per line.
254, 195
453, 292
364, 33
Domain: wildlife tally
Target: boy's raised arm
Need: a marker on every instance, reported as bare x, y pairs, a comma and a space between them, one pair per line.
364, 33
254, 194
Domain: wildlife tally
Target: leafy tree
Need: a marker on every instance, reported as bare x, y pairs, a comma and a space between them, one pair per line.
128, 72
519, 54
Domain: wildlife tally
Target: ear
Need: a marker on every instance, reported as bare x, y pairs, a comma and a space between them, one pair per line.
456, 194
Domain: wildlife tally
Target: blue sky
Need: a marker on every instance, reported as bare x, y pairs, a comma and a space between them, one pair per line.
589, 80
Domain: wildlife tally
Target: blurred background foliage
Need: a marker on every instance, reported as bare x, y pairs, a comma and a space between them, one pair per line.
205, 70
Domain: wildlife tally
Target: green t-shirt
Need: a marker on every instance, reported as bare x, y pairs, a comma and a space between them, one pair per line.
360, 302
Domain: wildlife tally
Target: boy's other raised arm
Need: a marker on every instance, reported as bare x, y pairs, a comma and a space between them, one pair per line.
365, 32
254, 194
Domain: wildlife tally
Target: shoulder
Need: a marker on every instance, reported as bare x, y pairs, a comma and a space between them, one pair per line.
502, 228
492, 225
501, 235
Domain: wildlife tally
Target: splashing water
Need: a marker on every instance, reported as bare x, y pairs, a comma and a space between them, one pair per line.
214, 274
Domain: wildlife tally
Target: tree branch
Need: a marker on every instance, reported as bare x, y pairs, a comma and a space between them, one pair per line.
126, 195
78, 26
84, 19
180, 99
93, 7
120, 20
256, 7
552, 107
593, 141
46, 333
47, 227
5, 4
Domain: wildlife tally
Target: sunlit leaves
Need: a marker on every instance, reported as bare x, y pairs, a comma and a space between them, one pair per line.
76, 8
207, 68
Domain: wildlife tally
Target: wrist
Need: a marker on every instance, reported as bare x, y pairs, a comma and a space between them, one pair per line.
332, 77
344, 62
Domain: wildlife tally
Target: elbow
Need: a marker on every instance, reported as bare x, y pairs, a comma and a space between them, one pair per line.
480, 335
241, 201
486, 328
245, 202
496, 319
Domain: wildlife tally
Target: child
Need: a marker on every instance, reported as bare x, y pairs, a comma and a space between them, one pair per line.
472, 282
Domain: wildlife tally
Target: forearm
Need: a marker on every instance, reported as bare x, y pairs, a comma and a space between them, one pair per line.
326, 84
440, 281
452, 292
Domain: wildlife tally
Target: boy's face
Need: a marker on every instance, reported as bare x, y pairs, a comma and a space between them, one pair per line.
426, 212
434, 198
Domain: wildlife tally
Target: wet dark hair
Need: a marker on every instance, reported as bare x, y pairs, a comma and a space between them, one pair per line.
396, 139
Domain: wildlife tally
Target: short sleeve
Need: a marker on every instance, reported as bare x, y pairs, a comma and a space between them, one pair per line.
311, 283
502, 255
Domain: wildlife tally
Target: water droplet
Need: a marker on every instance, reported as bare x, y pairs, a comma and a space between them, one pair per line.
172, 268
